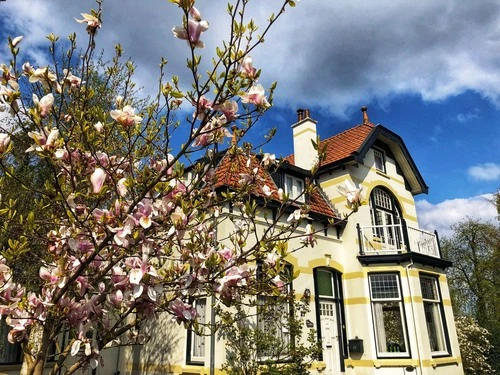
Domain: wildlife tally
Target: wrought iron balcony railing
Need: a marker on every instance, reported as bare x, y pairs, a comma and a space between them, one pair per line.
397, 239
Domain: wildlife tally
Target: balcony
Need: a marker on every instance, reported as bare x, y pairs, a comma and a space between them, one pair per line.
396, 239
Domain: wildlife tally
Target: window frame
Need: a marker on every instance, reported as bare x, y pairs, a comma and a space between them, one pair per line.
286, 306
296, 190
192, 336
437, 305
379, 154
379, 301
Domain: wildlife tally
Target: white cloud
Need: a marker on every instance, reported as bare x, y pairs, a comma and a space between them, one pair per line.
485, 172
443, 215
353, 52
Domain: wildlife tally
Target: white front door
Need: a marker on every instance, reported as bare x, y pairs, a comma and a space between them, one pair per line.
329, 337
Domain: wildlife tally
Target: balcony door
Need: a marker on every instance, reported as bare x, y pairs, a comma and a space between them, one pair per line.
386, 219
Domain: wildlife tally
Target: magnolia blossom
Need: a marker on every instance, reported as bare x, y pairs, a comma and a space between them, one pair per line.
44, 140
97, 180
294, 216
192, 33
72, 80
93, 23
4, 142
17, 40
99, 126
256, 96
267, 191
247, 67
352, 193
229, 108
308, 239
183, 311
268, 159
126, 116
8, 77
44, 105
42, 75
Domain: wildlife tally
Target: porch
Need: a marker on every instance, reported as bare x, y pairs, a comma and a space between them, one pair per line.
397, 239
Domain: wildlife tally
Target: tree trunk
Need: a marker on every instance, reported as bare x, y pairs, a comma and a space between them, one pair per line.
36, 349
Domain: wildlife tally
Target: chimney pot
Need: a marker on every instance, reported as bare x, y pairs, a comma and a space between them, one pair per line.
300, 114
364, 109
307, 113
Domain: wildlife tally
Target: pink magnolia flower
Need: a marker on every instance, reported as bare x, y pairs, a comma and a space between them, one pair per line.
4, 142
229, 108
267, 191
294, 216
44, 140
308, 239
97, 180
256, 96
247, 67
126, 116
192, 33
268, 159
72, 80
43, 105
93, 23
352, 193
183, 311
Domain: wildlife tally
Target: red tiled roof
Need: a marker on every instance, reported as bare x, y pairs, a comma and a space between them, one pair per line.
343, 144
229, 170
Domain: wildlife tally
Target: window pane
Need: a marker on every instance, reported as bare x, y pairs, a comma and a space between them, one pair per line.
389, 327
434, 327
198, 341
384, 286
325, 286
428, 286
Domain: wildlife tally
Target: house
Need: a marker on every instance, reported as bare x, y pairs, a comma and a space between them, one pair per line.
379, 303
379, 296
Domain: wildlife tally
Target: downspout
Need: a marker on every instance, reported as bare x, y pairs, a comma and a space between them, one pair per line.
407, 267
212, 336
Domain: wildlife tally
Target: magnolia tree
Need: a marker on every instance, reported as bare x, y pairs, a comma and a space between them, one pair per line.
116, 229
474, 346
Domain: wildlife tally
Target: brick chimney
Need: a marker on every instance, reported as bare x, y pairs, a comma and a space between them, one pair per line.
304, 131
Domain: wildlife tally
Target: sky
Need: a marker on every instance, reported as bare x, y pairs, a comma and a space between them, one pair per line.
427, 70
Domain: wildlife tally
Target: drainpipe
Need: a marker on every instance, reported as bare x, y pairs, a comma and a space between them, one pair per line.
212, 336
407, 268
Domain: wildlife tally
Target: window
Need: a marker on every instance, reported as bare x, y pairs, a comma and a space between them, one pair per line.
196, 342
388, 315
434, 314
294, 187
379, 160
273, 321
386, 218
9, 353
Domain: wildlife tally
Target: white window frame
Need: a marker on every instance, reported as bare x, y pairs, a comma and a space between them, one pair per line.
281, 325
198, 342
380, 305
433, 310
379, 160
294, 188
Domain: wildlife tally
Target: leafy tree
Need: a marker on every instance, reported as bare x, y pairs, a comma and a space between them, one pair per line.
475, 346
95, 190
474, 282
262, 339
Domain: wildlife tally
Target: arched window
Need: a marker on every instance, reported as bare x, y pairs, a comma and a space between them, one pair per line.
385, 216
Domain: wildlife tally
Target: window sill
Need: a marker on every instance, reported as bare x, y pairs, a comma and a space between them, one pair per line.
446, 361
383, 174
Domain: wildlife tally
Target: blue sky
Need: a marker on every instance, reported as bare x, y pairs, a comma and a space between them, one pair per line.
428, 71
